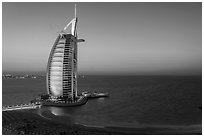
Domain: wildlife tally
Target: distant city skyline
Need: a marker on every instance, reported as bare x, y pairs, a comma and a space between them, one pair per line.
120, 38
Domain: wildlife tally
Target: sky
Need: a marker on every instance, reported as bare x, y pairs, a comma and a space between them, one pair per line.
120, 38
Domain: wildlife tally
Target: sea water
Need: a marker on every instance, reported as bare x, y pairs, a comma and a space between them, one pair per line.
134, 100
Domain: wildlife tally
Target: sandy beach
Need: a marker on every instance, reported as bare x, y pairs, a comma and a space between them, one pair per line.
28, 122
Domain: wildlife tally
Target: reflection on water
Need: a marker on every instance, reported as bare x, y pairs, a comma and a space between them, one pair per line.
40, 113
73, 111
57, 111
63, 111
100, 99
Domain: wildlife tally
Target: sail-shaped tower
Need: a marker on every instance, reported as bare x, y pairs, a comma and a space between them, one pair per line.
61, 76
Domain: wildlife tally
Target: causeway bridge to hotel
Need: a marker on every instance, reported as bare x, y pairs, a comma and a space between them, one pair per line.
21, 106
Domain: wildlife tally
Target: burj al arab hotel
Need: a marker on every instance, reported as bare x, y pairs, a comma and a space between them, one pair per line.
61, 75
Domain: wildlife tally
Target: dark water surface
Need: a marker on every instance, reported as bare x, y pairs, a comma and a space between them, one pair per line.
134, 100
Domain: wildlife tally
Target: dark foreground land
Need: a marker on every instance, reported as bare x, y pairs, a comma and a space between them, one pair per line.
29, 123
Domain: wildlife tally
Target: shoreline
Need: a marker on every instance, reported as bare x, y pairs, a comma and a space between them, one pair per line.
30, 122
